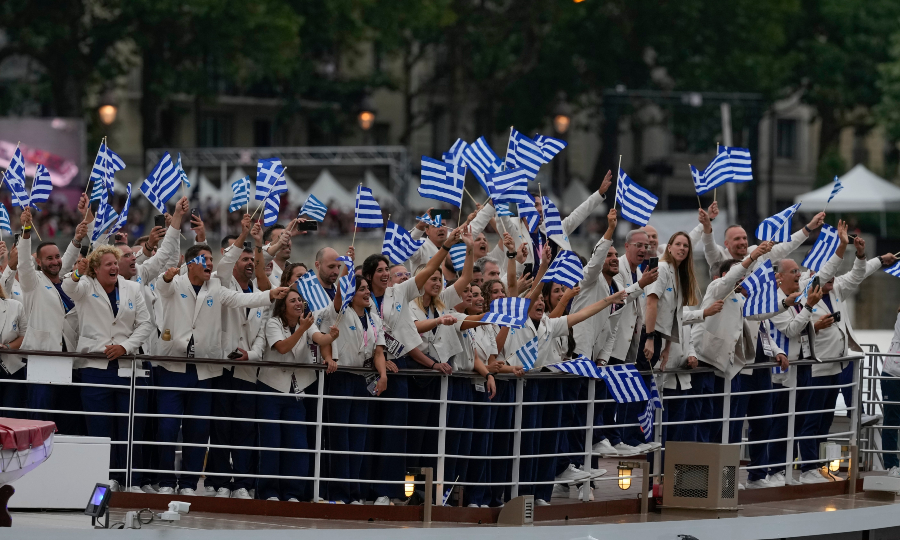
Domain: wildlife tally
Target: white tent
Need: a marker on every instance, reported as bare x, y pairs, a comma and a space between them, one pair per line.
381, 193
295, 193
416, 202
235, 175
575, 194
864, 191
327, 189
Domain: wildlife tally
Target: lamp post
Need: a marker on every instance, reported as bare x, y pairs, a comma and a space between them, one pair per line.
366, 117
562, 119
108, 108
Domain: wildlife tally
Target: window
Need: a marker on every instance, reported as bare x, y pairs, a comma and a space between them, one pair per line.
786, 138
262, 132
214, 130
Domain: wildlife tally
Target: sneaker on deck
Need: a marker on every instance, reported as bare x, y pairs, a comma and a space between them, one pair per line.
241, 493
166, 491
147, 488
758, 484
383, 501
187, 492
812, 477
776, 480
208, 491
894, 471
625, 450
572, 474
223, 493
541, 502
605, 449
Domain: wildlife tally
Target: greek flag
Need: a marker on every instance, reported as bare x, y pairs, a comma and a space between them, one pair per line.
777, 227
311, 290
106, 165
523, 153
508, 312
549, 146
552, 219
458, 256
123, 217
739, 159
718, 172
646, 418
503, 210
272, 209
527, 355
529, 213
199, 259
166, 180
565, 269
240, 190
625, 383
106, 216
4, 219
181, 174
314, 208
782, 342
825, 246
455, 155
269, 179
368, 213
148, 188
509, 186
41, 186
398, 245
762, 290
893, 270
426, 219
15, 179
637, 203
580, 366
838, 186
482, 161
442, 181
347, 283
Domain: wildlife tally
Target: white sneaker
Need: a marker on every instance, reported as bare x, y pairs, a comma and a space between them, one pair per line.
870, 419
209, 491
166, 491
649, 447
293, 499
541, 502
272, 499
114, 486
812, 477
758, 484
471, 505
399, 502
624, 450
595, 473
776, 480
253, 493
741, 486
223, 493
894, 471
385, 501
187, 492
485, 506
135, 489
147, 488
241, 494
572, 474
561, 491
605, 449
357, 502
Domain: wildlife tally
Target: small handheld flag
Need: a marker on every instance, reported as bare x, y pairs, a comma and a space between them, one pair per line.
458, 256
625, 383
442, 181
528, 354
637, 203
549, 146
106, 216
398, 245
426, 219
482, 161
503, 210
148, 188
199, 259
566, 269
240, 190
646, 418
269, 179
4, 219
181, 174
509, 186
523, 153
368, 212
314, 208
718, 172
508, 312
838, 186
166, 179
41, 186
312, 291
894, 269
347, 283
762, 290
778, 227
15, 179
454, 155
123, 217
740, 162
581, 366
825, 246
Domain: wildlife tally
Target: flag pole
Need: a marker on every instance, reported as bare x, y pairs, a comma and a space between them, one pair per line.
355, 212
616, 199
470, 196
700, 204
714, 189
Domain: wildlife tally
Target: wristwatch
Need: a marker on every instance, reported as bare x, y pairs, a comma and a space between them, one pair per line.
510, 254
808, 308
881, 260
806, 227
784, 303
444, 246
76, 244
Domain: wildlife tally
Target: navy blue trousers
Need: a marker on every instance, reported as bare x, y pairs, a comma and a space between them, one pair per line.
232, 433
758, 429
193, 431
115, 427
341, 438
479, 470
890, 390
274, 435
389, 442
458, 443
501, 443
13, 394
571, 442
819, 424
778, 450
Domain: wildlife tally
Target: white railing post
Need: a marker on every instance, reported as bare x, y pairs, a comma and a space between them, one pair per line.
726, 410
130, 448
442, 438
789, 461
589, 437
517, 437
317, 464
657, 432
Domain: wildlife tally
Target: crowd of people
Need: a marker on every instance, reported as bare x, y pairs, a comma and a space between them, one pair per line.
640, 306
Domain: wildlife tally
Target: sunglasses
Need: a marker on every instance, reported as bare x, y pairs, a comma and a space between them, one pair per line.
402, 274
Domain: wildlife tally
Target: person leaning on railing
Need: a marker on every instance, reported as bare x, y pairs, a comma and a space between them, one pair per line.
113, 320
286, 337
890, 392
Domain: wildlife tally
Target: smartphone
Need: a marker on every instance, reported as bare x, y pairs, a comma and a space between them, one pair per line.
16, 239
159, 221
373, 382
248, 245
836, 316
529, 269
445, 214
815, 283
94, 206
309, 225
85, 249
235, 354
652, 263
121, 238
852, 237
195, 212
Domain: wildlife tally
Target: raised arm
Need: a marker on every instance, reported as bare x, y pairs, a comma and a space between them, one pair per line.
545, 263
468, 267
435, 262
567, 297
583, 210
595, 308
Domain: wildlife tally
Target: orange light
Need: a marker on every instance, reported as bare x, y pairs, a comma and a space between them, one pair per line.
561, 123
366, 119
107, 114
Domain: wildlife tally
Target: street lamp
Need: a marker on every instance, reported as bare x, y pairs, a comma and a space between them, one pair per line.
108, 108
366, 116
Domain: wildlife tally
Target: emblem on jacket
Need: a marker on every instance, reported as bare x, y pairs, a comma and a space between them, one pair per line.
352, 328
138, 279
130, 305
183, 295
209, 301
95, 295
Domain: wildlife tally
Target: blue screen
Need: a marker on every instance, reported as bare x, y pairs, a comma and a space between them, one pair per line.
97, 496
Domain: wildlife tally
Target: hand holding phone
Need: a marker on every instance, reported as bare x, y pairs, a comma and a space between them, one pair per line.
652, 263
159, 221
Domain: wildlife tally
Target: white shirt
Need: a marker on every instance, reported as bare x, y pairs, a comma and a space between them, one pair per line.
547, 330
13, 324
443, 342
358, 338
280, 377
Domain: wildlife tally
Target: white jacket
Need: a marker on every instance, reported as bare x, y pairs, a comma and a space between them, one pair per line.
48, 323
681, 350
627, 334
547, 330
186, 313
98, 327
716, 253
10, 284
241, 326
592, 335
443, 343
356, 343
395, 311
13, 324
149, 269
669, 306
279, 378
790, 329
424, 253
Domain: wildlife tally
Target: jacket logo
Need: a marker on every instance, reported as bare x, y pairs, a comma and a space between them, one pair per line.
352, 328
258, 314
152, 286
734, 300
669, 289
130, 305
183, 295
95, 295
48, 287
209, 301
138, 279
15, 326
399, 308
17, 293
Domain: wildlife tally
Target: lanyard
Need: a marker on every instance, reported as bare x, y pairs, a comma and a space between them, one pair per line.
366, 330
